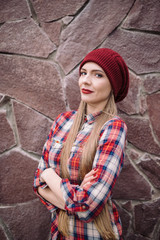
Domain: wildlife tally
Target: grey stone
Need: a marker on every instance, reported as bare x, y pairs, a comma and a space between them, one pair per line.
138, 49
88, 30
152, 171
53, 30
13, 10
52, 10
147, 216
131, 185
153, 102
27, 221
4, 99
126, 219
34, 82
128, 206
152, 83
130, 104
136, 237
72, 89
134, 155
140, 134
6, 134
66, 20
2, 234
16, 178
144, 15
25, 37
33, 128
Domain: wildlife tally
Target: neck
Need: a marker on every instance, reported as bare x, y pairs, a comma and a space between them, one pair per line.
91, 108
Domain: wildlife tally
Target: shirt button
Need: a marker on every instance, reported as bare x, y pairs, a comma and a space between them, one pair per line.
83, 207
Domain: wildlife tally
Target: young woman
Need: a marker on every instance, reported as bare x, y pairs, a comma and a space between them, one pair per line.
84, 152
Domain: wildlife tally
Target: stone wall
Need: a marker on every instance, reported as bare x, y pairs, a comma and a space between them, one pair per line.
41, 46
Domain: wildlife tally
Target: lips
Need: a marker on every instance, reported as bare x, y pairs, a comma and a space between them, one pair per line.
86, 91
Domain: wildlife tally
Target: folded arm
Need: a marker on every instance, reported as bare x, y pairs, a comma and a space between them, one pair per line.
52, 192
87, 200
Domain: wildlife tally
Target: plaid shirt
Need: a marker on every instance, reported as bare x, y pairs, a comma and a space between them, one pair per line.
84, 204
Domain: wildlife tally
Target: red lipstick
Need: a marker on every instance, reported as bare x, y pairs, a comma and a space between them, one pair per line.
86, 91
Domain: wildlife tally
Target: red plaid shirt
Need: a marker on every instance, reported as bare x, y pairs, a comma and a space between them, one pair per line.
84, 204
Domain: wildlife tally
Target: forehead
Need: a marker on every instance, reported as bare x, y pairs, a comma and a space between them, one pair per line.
92, 66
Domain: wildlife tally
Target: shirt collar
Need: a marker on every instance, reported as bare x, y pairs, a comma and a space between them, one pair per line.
90, 118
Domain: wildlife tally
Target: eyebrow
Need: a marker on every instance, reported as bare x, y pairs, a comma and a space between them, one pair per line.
94, 70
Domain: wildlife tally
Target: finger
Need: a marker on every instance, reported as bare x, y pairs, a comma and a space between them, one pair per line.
93, 171
89, 179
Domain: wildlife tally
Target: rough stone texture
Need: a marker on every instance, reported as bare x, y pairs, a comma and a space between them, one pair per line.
4, 99
143, 105
16, 179
72, 89
66, 20
13, 10
1, 97
134, 155
21, 33
137, 187
152, 83
2, 234
144, 16
152, 171
144, 58
140, 135
136, 237
22, 219
147, 216
126, 219
130, 104
34, 82
51, 10
153, 102
33, 128
51, 38
53, 30
88, 30
6, 134
127, 206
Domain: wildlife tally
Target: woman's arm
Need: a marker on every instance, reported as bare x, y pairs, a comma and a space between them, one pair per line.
53, 192
38, 185
88, 199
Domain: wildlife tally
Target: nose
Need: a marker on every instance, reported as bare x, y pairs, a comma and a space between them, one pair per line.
86, 79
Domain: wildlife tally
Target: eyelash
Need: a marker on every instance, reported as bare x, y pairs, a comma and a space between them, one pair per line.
97, 74
82, 73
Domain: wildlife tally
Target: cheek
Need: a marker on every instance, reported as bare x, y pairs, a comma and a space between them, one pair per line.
104, 87
79, 82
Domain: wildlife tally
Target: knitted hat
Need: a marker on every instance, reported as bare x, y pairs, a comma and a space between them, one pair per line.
114, 67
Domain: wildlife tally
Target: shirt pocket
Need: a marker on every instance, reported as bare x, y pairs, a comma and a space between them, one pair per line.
54, 153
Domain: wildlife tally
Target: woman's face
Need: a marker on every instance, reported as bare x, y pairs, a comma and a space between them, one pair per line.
94, 86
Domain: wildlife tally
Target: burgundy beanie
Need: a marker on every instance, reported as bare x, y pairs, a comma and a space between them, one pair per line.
114, 67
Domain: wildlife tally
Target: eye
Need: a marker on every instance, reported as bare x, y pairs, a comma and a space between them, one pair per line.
99, 75
82, 73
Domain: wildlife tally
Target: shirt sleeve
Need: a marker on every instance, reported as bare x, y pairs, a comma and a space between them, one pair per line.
89, 201
43, 164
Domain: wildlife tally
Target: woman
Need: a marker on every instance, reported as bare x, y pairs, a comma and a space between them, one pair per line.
84, 153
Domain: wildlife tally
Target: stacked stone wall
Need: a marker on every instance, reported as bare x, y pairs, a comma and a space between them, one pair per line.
41, 46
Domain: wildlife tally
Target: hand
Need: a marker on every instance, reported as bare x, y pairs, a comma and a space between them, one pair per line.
41, 177
90, 176
44, 173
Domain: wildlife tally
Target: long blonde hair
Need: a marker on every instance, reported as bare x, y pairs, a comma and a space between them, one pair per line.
102, 221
